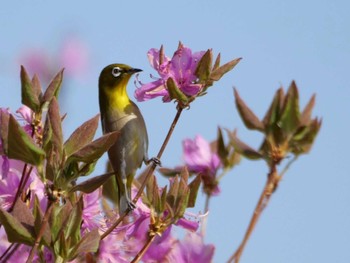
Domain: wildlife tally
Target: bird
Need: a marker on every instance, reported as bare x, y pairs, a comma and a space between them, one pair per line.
119, 113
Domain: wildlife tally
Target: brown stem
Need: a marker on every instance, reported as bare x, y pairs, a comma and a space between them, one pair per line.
9, 252
24, 179
265, 196
144, 249
151, 169
41, 231
205, 218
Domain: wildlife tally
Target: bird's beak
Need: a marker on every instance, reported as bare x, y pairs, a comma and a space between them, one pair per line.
134, 70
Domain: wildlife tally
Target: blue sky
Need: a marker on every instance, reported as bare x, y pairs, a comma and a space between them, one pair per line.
308, 217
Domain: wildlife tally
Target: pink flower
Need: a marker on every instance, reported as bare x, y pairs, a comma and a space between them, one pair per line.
181, 68
200, 159
11, 170
92, 210
26, 114
74, 56
191, 249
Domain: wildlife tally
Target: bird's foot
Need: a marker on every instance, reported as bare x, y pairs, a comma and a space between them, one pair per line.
131, 206
155, 161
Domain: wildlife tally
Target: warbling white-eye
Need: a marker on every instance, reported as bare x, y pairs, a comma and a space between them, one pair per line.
119, 113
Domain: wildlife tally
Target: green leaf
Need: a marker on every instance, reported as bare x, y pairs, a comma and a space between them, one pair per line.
15, 231
94, 150
21, 146
88, 244
204, 66
4, 130
23, 214
243, 148
81, 136
74, 222
30, 97
251, 121
217, 62
290, 116
38, 217
156, 202
175, 93
53, 88
302, 142
273, 114
56, 125
173, 191
194, 186
59, 216
219, 72
305, 117
37, 87
169, 172
92, 184
221, 147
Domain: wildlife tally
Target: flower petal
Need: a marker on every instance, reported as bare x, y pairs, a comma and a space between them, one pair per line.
151, 90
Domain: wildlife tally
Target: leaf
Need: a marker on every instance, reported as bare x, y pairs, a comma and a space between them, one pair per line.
194, 186
30, 97
92, 184
174, 91
217, 62
56, 125
303, 143
81, 136
74, 222
290, 116
59, 216
38, 217
94, 150
169, 172
37, 87
173, 191
219, 72
156, 201
53, 88
243, 148
221, 147
23, 214
251, 121
306, 114
4, 130
15, 231
204, 66
88, 244
272, 115
21, 146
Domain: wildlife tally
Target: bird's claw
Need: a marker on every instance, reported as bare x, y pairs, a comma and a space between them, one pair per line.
155, 161
131, 206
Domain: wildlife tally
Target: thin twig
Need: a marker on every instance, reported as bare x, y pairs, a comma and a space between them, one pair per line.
144, 249
41, 231
24, 179
205, 218
265, 196
151, 169
9, 252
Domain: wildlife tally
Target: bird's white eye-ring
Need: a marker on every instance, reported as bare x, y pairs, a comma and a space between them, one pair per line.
116, 71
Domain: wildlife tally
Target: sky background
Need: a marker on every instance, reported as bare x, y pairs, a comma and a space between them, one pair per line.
308, 218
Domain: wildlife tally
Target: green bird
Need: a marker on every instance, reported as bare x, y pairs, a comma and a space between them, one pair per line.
119, 113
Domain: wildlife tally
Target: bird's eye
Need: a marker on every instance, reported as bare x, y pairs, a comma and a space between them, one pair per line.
116, 71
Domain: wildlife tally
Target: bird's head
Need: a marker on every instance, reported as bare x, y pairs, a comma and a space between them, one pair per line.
116, 76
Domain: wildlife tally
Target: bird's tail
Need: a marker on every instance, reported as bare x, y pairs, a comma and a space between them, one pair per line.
125, 202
